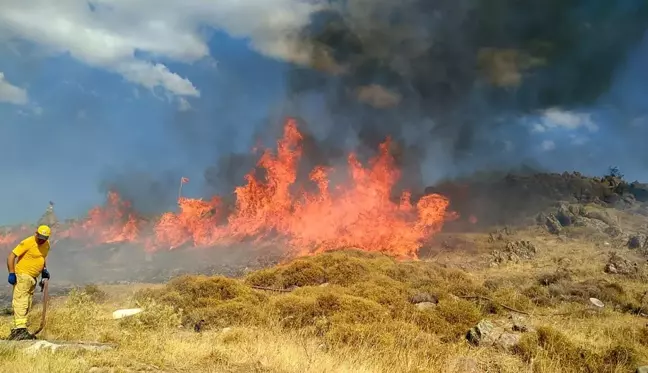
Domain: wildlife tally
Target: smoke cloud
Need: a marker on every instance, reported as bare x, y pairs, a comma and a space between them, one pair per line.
455, 81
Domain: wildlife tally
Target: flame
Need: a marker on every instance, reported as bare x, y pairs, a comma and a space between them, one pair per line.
273, 208
111, 223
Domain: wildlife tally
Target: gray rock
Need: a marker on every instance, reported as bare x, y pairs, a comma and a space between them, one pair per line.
552, 223
637, 241
481, 333
601, 215
424, 297
618, 265
508, 340
565, 216
519, 323
425, 306
486, 334
41, 345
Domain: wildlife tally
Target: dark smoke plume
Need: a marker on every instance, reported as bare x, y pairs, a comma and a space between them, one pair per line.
438, 74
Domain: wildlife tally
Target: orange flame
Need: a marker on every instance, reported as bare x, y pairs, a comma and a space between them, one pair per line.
110, 224
360, 214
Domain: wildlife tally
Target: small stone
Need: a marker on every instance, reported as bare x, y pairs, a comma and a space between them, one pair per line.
519, 324
425, 306
424, 298
225, 330
324, 285
642, 369
610, 268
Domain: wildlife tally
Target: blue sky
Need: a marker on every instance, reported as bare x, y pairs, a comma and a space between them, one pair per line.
161, 89
82, 124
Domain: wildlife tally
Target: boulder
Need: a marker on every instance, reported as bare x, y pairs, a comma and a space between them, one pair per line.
637, 241
486, 334
551, 222
618, 265
566, 216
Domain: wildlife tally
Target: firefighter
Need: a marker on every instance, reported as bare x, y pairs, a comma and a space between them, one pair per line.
31, 254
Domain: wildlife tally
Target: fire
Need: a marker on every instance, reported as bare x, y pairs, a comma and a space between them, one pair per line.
110, 224
196, 222
14, 236
360, 213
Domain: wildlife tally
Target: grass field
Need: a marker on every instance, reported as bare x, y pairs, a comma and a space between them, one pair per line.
355, 312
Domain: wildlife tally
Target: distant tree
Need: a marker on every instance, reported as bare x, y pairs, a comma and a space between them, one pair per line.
614, 172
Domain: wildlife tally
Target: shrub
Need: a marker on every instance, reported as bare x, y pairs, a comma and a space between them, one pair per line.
302, 273
154, 316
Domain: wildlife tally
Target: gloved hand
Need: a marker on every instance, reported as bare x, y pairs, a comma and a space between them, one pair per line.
45, 274
12, 278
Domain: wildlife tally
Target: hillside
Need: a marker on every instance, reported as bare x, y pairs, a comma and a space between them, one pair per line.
481, 297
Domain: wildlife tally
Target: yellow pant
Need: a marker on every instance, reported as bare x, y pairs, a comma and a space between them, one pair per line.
23, 293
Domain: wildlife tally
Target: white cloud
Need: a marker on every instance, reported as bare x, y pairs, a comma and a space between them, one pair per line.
130, 38
579, 140
183, 104
548, 145
10, 93
556, 118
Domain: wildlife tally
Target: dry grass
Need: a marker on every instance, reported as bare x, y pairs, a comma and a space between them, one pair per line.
353, 312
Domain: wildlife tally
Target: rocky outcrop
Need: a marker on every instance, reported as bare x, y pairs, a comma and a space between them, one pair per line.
590, 216
515, 252
617, 265
510, 198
